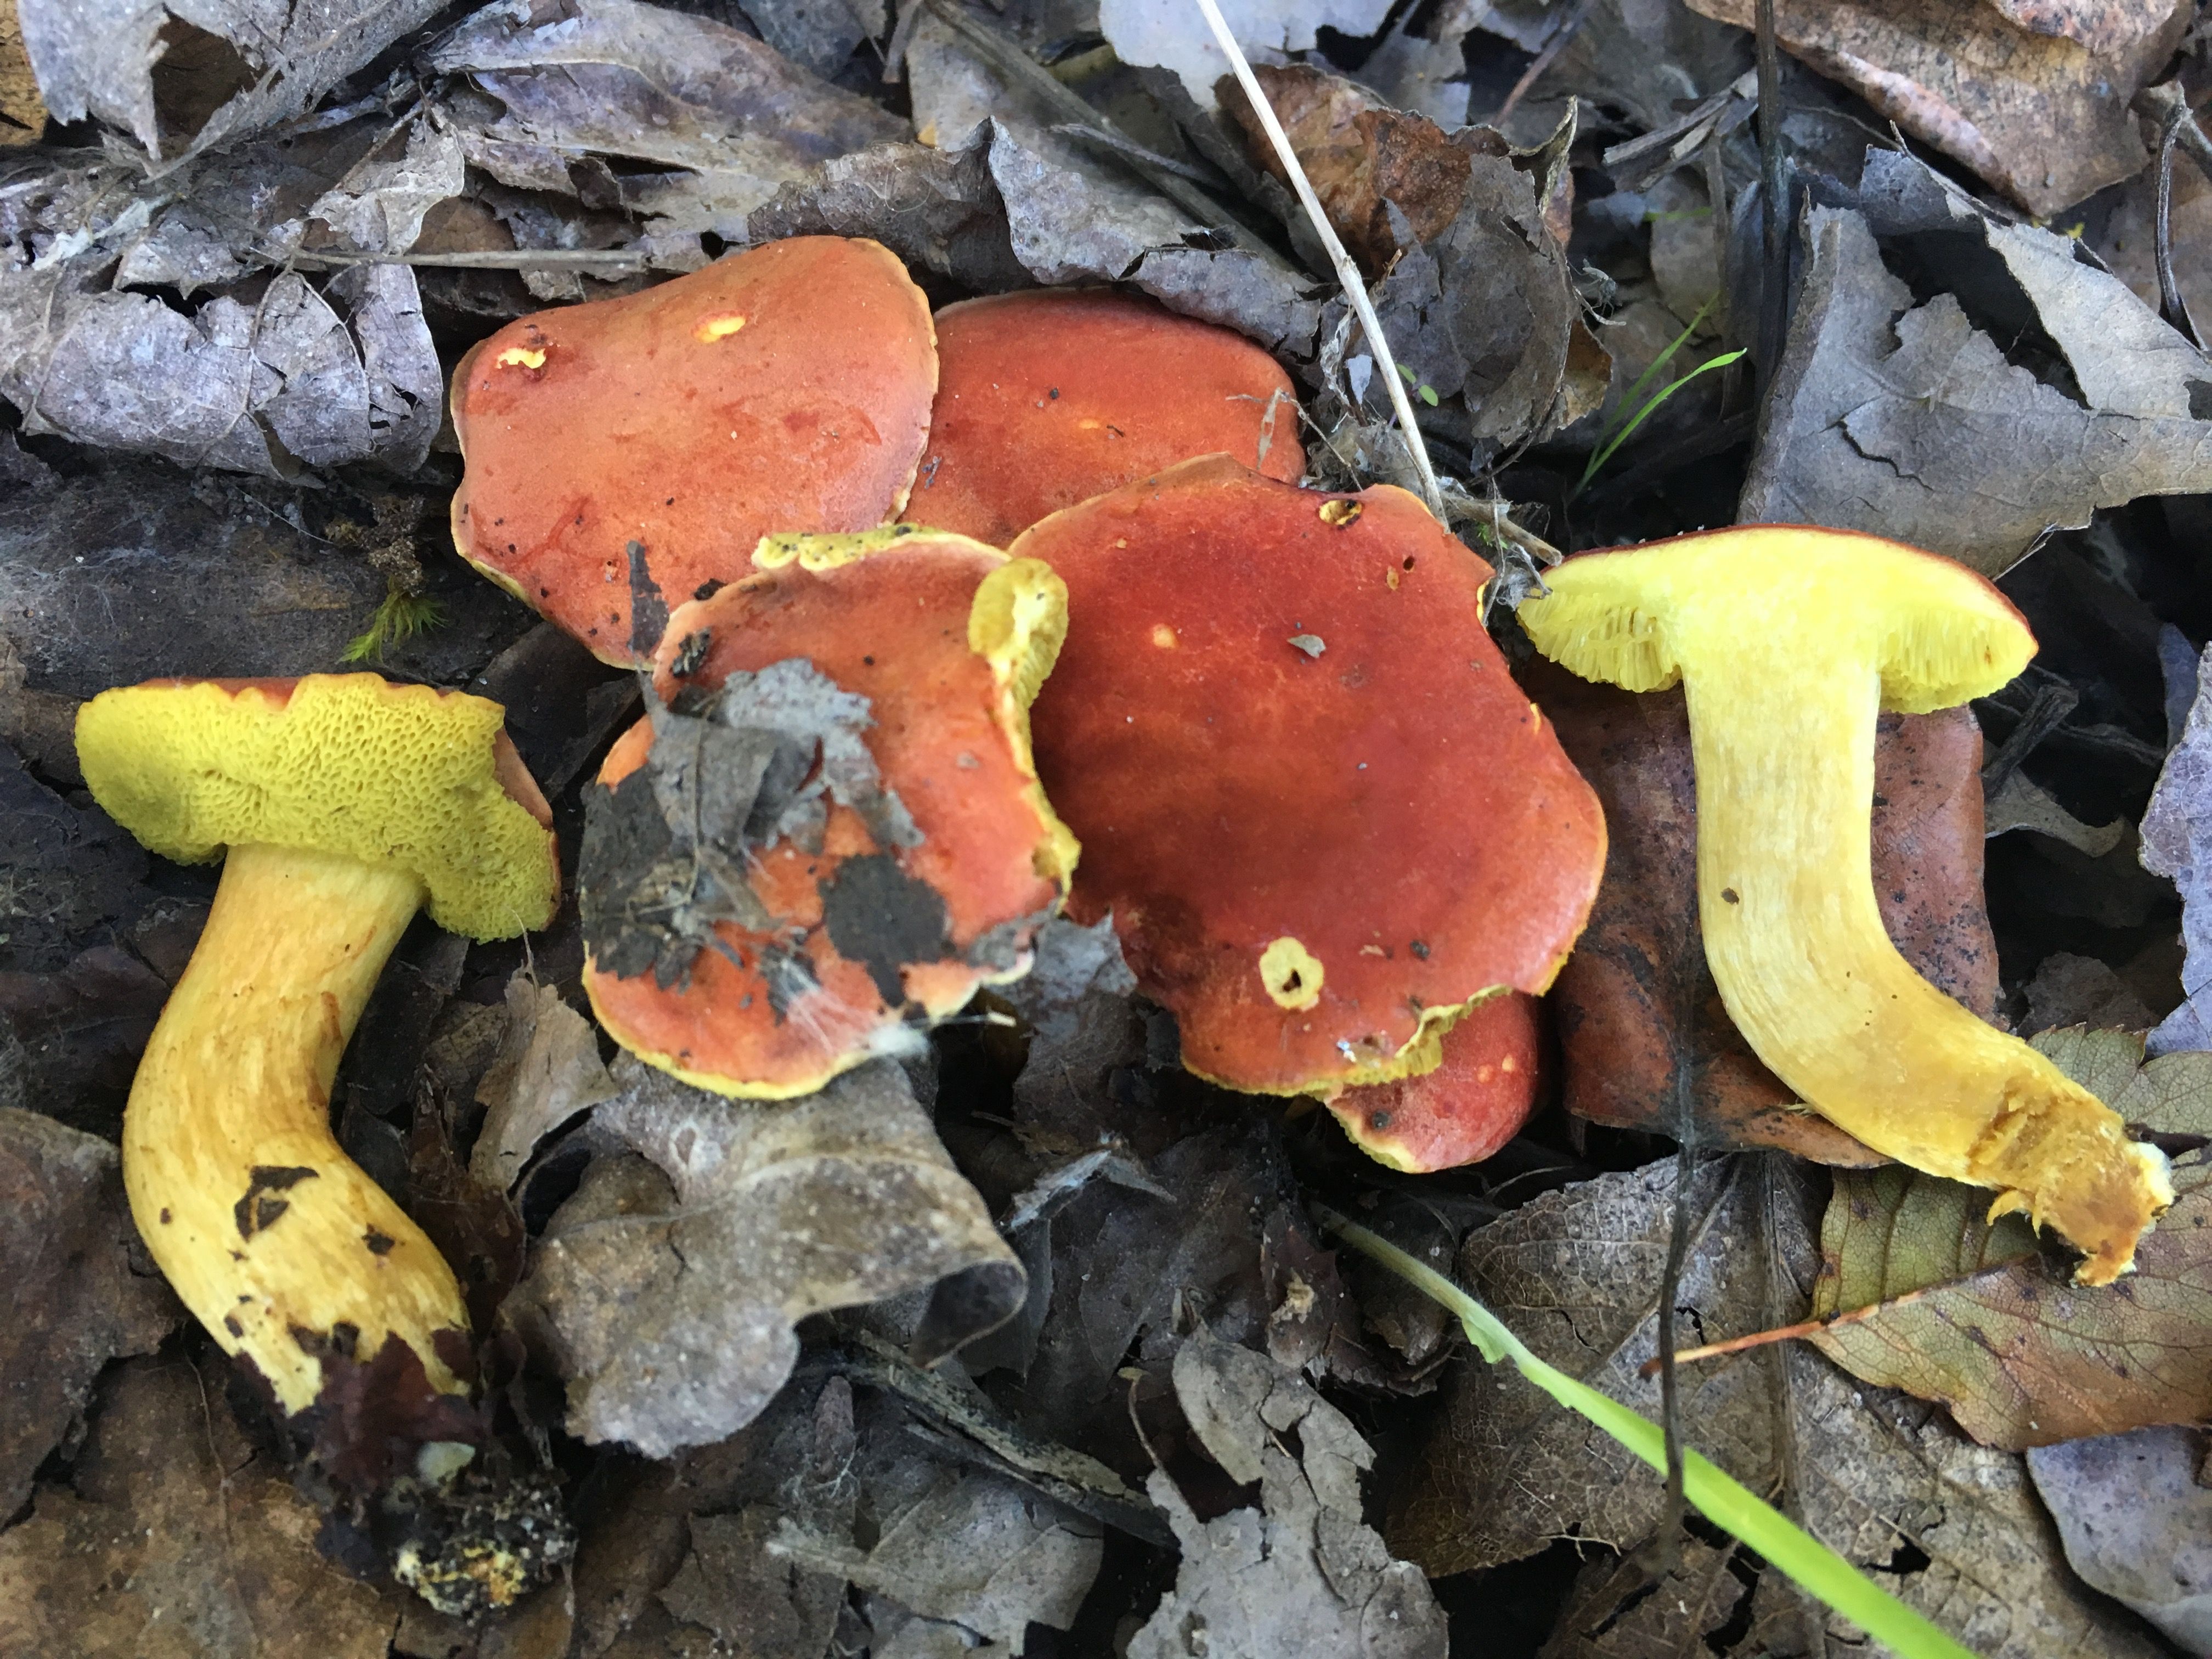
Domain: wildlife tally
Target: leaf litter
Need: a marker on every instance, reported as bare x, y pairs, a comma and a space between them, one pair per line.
1036, 1333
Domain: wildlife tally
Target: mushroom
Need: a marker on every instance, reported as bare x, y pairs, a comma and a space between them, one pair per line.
1049, 398
1789, 642
1324, 818
345, 803
621, 455
831, 833
1474, 1102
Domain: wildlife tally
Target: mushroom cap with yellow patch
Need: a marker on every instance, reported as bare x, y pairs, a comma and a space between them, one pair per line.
1636, 617
403, 776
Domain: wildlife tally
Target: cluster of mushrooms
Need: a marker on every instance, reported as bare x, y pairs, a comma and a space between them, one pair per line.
1116, 662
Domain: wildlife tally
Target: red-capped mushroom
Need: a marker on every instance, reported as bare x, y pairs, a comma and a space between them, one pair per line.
1324, 818
1461, 1113
1049, 398
621, 455
891, 850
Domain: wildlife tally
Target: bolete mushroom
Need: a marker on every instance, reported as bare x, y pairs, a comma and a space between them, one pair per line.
1474, 1101
345, 803
831, 833
621, 454
1049, 398
1789, 642
1325, 819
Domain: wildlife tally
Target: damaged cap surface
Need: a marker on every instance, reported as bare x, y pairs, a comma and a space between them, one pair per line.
832, 831
1315, 854
1048, 399
785, 388
1475, 1101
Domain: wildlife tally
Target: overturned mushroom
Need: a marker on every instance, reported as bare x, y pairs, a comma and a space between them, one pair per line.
830, 833
621, 455
1049, 398
1788, 642
1474, 1101
1323, 816
345, 803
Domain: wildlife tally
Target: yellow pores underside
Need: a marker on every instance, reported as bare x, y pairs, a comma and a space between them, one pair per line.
346, 803
1788, 642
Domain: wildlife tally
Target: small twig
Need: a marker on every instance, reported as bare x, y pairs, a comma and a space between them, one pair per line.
2163, 104
518, 260
1084, 132
1347, 273
1774, 197
2169, 291
2053, 701
1553, 48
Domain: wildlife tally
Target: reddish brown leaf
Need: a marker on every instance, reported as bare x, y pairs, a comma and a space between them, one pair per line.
1636, 996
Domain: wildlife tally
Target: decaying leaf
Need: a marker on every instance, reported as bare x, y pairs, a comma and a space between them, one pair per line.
1906, 420
1885, 1479
190, 75
933, 208
1946, 1306
720, 120
666, 1289
1302, 1576
1636, 1001
23, 111
978, 1557
301, 377
2041, 116
1074, 219
1167, 34
76, 1299
174, 1539
2137, 1518
2177, 844
547, 1070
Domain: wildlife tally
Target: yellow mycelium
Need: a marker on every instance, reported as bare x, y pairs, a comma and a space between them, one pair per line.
346, 803
1788, 642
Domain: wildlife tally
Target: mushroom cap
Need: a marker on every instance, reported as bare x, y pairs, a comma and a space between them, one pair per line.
1939, 634
1321, 813
1049, 398
403, 776
786, 387
1474, 1102
947, 640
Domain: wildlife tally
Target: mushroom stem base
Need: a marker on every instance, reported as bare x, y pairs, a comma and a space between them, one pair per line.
282, 1247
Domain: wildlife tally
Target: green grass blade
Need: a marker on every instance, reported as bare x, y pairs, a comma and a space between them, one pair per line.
1723, 1500
1604, 453
1658, 366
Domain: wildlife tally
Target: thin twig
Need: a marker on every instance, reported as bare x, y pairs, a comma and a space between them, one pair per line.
2160, 103
1774, 197
551, 258
1544, 60
1347, 273
2169, 290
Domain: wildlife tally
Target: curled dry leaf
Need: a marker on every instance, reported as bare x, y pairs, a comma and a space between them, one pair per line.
1943, 1305
2033, 97
301, 377
2177, 844
721, 119
666, 1289
190, 77
76, 1299
1636, 1003
547, 1070
1906, 419
1301, 1576
2136, 1520
1170, 34
935, 208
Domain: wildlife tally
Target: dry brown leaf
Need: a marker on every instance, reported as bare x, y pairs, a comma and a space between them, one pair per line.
2137, 1521
2038, 115
176, 1540
1636, 999
2177, 844
1946, 1306
75, 1297
23, 111
547, 1070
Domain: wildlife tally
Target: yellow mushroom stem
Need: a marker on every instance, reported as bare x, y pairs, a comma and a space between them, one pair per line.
1785, 896
276, 1240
